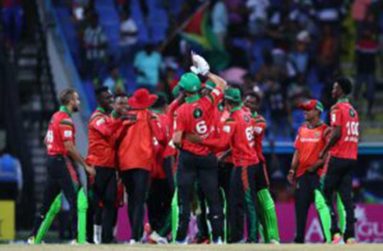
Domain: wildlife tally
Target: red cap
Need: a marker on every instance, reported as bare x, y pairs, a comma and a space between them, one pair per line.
311, 104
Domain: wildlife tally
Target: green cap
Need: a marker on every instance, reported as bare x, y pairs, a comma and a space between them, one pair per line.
190, 82
233, 94
176, 91
210, 85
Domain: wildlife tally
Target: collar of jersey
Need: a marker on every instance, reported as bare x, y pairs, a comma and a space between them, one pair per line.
192, 98
157, 111
237, 108
100, 109
65, 109
315, 126
342, 100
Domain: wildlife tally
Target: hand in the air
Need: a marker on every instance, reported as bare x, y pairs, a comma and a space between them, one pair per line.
200, 65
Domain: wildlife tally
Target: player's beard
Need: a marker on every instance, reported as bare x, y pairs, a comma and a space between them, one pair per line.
75, 109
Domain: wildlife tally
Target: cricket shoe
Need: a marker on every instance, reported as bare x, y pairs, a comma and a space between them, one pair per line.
97, 231
351, 241
273, 241
73, 242
155, 238
337, 239
132, 242
218, 241
184, 242
31, 240
147, 232
202, 240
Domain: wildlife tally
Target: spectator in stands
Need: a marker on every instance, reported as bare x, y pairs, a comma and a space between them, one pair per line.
170, 77
367, 49
219, 19
282, 61
258, 15
95, 45
12, 19
270, 70
122, 5
248, 82
128, 37
89, 10
147, 64
11, 178
279, 111
359, 11
82, 12
78, 9
300, 56
327, 54
329, 12
302, 15
114, 82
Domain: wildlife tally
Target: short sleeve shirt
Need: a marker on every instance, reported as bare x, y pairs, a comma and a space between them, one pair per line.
346, 117
60, 129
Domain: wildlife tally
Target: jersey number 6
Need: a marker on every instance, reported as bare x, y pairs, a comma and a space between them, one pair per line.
201, 127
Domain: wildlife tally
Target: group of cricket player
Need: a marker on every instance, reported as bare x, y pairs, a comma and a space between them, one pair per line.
199, 155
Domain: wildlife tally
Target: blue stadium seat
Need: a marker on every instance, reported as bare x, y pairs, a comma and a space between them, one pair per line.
158, 22
176, 6
65, 19
110, 22
139, 19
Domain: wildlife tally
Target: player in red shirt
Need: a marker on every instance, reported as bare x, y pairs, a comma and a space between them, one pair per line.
162, 184
203, 235
101, 155
136, 156
60, 143
197, 162
266, 206
306, 169
170, 150
237, 132
343, 150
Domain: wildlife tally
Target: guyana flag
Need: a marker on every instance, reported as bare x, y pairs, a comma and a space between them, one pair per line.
197, 32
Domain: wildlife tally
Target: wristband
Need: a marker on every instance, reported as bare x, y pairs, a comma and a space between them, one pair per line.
115, 114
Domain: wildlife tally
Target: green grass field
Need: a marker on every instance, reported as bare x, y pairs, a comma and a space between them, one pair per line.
245, 247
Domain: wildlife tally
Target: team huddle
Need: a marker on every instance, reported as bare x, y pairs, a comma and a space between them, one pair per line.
204, 147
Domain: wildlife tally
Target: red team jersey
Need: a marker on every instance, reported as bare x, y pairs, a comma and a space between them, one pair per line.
259, 132
238, 133
225, 114
308, 143
197, 117
170, 149
160, 142
101, 148
141, 131
60, 129
345, 116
